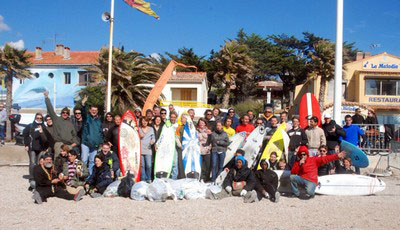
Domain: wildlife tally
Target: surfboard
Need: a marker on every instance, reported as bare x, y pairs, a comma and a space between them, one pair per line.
253, 144
129, 145
191, 150
166, 151
349, 185
309, 106
358, 157
221, 177
236, 142
278, 143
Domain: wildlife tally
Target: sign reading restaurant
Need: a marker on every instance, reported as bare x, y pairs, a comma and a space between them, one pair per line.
371, 65
384, 99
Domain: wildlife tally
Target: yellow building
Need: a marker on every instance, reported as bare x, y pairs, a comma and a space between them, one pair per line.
370, 82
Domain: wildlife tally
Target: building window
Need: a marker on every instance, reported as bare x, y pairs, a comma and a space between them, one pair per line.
36, 75
21, 81
382, 87
67, 77
372, 87
85, 78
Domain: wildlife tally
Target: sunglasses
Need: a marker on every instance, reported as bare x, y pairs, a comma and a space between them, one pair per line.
64, 113
208, 114
163, 113
268, 111
77, 113
303, 154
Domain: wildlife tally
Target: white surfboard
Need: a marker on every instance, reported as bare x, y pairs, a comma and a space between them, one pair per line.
166, 152
191, 150
349, 185
236, 142
253, 144
221, 177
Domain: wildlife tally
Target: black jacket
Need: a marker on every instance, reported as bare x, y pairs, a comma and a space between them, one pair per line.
266, 178
100, 178
340, 169
332, 138
237, 175
78, 128
112, 160
107, 126
113, 137
358, 119
59, 164
324, 170
43, 182
371, 120
297, 138
33, 139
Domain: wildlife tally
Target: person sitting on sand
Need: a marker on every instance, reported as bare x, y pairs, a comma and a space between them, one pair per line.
61, 159
273, 162
240, 181
267, 182
74, 173
328, 168
305, 171
47, 183
231, 164
100, 178
344, 166
111, 159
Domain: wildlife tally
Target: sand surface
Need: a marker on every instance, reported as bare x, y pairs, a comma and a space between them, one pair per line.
17, 211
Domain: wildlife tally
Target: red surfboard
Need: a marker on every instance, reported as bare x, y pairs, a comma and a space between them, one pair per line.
309, 107
130, 153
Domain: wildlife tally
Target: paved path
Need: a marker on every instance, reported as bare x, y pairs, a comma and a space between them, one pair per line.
11, 154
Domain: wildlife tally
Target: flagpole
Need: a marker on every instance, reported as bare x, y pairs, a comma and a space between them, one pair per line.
110, 49
337, 101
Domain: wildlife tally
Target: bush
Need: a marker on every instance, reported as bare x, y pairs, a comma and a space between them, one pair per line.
243, 107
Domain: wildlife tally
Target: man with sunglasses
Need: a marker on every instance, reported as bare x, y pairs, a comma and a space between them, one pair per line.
63, 129
268, 114
211, 122
77, 120
235, 120
35, 141
305, 171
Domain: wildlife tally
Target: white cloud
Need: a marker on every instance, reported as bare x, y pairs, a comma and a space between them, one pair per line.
20, 44
3, 26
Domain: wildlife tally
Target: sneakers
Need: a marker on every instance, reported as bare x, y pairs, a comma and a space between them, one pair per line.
78, 196
37, 198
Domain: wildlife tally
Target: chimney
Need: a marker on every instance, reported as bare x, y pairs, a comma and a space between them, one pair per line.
59, 50
38, 53
360, 55
67, 53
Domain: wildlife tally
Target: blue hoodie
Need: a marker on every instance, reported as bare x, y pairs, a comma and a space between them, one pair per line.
353, 133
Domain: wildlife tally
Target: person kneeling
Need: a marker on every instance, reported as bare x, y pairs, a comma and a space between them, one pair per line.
239, 182
74, 175
47, 183
267, 182
305, 171
100, 178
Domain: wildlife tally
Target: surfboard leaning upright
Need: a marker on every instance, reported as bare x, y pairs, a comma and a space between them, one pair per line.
309, 106
166, 151
129, 145
191, 150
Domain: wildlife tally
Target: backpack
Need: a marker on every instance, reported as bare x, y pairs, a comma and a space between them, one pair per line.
125, 187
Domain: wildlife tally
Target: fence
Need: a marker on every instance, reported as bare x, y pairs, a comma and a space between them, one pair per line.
383, 142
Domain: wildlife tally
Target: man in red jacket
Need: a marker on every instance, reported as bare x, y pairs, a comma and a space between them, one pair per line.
305, 171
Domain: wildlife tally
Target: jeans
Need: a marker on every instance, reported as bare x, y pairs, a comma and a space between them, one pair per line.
146, 168
291, 159
295, 181
2, 132
205, 167
174, 173
88, 154
33, 161
217, 164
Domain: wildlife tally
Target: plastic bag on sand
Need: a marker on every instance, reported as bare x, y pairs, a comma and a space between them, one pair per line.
139, 191
190, 189
112, 189
160, 189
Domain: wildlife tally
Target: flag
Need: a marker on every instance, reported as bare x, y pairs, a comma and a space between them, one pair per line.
142, 6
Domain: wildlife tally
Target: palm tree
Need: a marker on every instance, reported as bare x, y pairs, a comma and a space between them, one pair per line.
234, 67
132, 74
13, 63
323, 64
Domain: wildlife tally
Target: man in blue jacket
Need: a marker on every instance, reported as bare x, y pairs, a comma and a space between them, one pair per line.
92, 134
353, 134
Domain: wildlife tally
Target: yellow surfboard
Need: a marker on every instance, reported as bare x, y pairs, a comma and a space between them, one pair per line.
278, 143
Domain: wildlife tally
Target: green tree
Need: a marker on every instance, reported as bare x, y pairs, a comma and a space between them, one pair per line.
95, 97
14, 63
234, 67
188, 57
132, 77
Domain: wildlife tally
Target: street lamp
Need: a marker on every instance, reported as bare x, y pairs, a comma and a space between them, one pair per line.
107, 17
51, 75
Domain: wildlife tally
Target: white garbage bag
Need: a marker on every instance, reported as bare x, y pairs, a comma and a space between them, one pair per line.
112, 189
160, 190
139, 191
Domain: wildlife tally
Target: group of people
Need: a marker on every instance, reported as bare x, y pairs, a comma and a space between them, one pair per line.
71, 157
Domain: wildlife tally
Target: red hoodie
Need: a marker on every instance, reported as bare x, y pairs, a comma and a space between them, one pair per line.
309, 170
245, 128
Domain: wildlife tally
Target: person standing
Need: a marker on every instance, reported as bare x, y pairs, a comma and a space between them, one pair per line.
3, 119
35, 141
284, 119
252, 118
219, 142
63, 129
113, 135
147, 139
353, 134
333, 133
108, 124
297, 138
231, 114
77, 120
92, 134
357, 117
268, 114
203, 133
315, 136
227, 127
245, 126
208, 115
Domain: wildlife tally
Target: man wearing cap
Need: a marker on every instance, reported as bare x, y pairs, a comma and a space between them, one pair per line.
315, 136
357, 117
240, 181
305, 171
63, 130
333, 133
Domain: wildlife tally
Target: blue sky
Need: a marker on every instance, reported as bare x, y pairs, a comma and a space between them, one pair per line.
201, 25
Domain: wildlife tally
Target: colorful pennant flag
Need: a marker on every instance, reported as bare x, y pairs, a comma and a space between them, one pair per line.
142, 6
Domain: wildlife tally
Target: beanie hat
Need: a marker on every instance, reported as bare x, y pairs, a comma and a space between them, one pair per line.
240, 158
65, 109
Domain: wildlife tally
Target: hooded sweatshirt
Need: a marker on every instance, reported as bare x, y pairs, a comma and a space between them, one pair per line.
309, 170
239, 175
266, 178
333, 138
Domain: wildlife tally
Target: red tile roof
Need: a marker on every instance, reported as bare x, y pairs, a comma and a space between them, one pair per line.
76, 58
188, 77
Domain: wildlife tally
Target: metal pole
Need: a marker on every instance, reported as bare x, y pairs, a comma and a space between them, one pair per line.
337, 101
110, 48
55, 92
